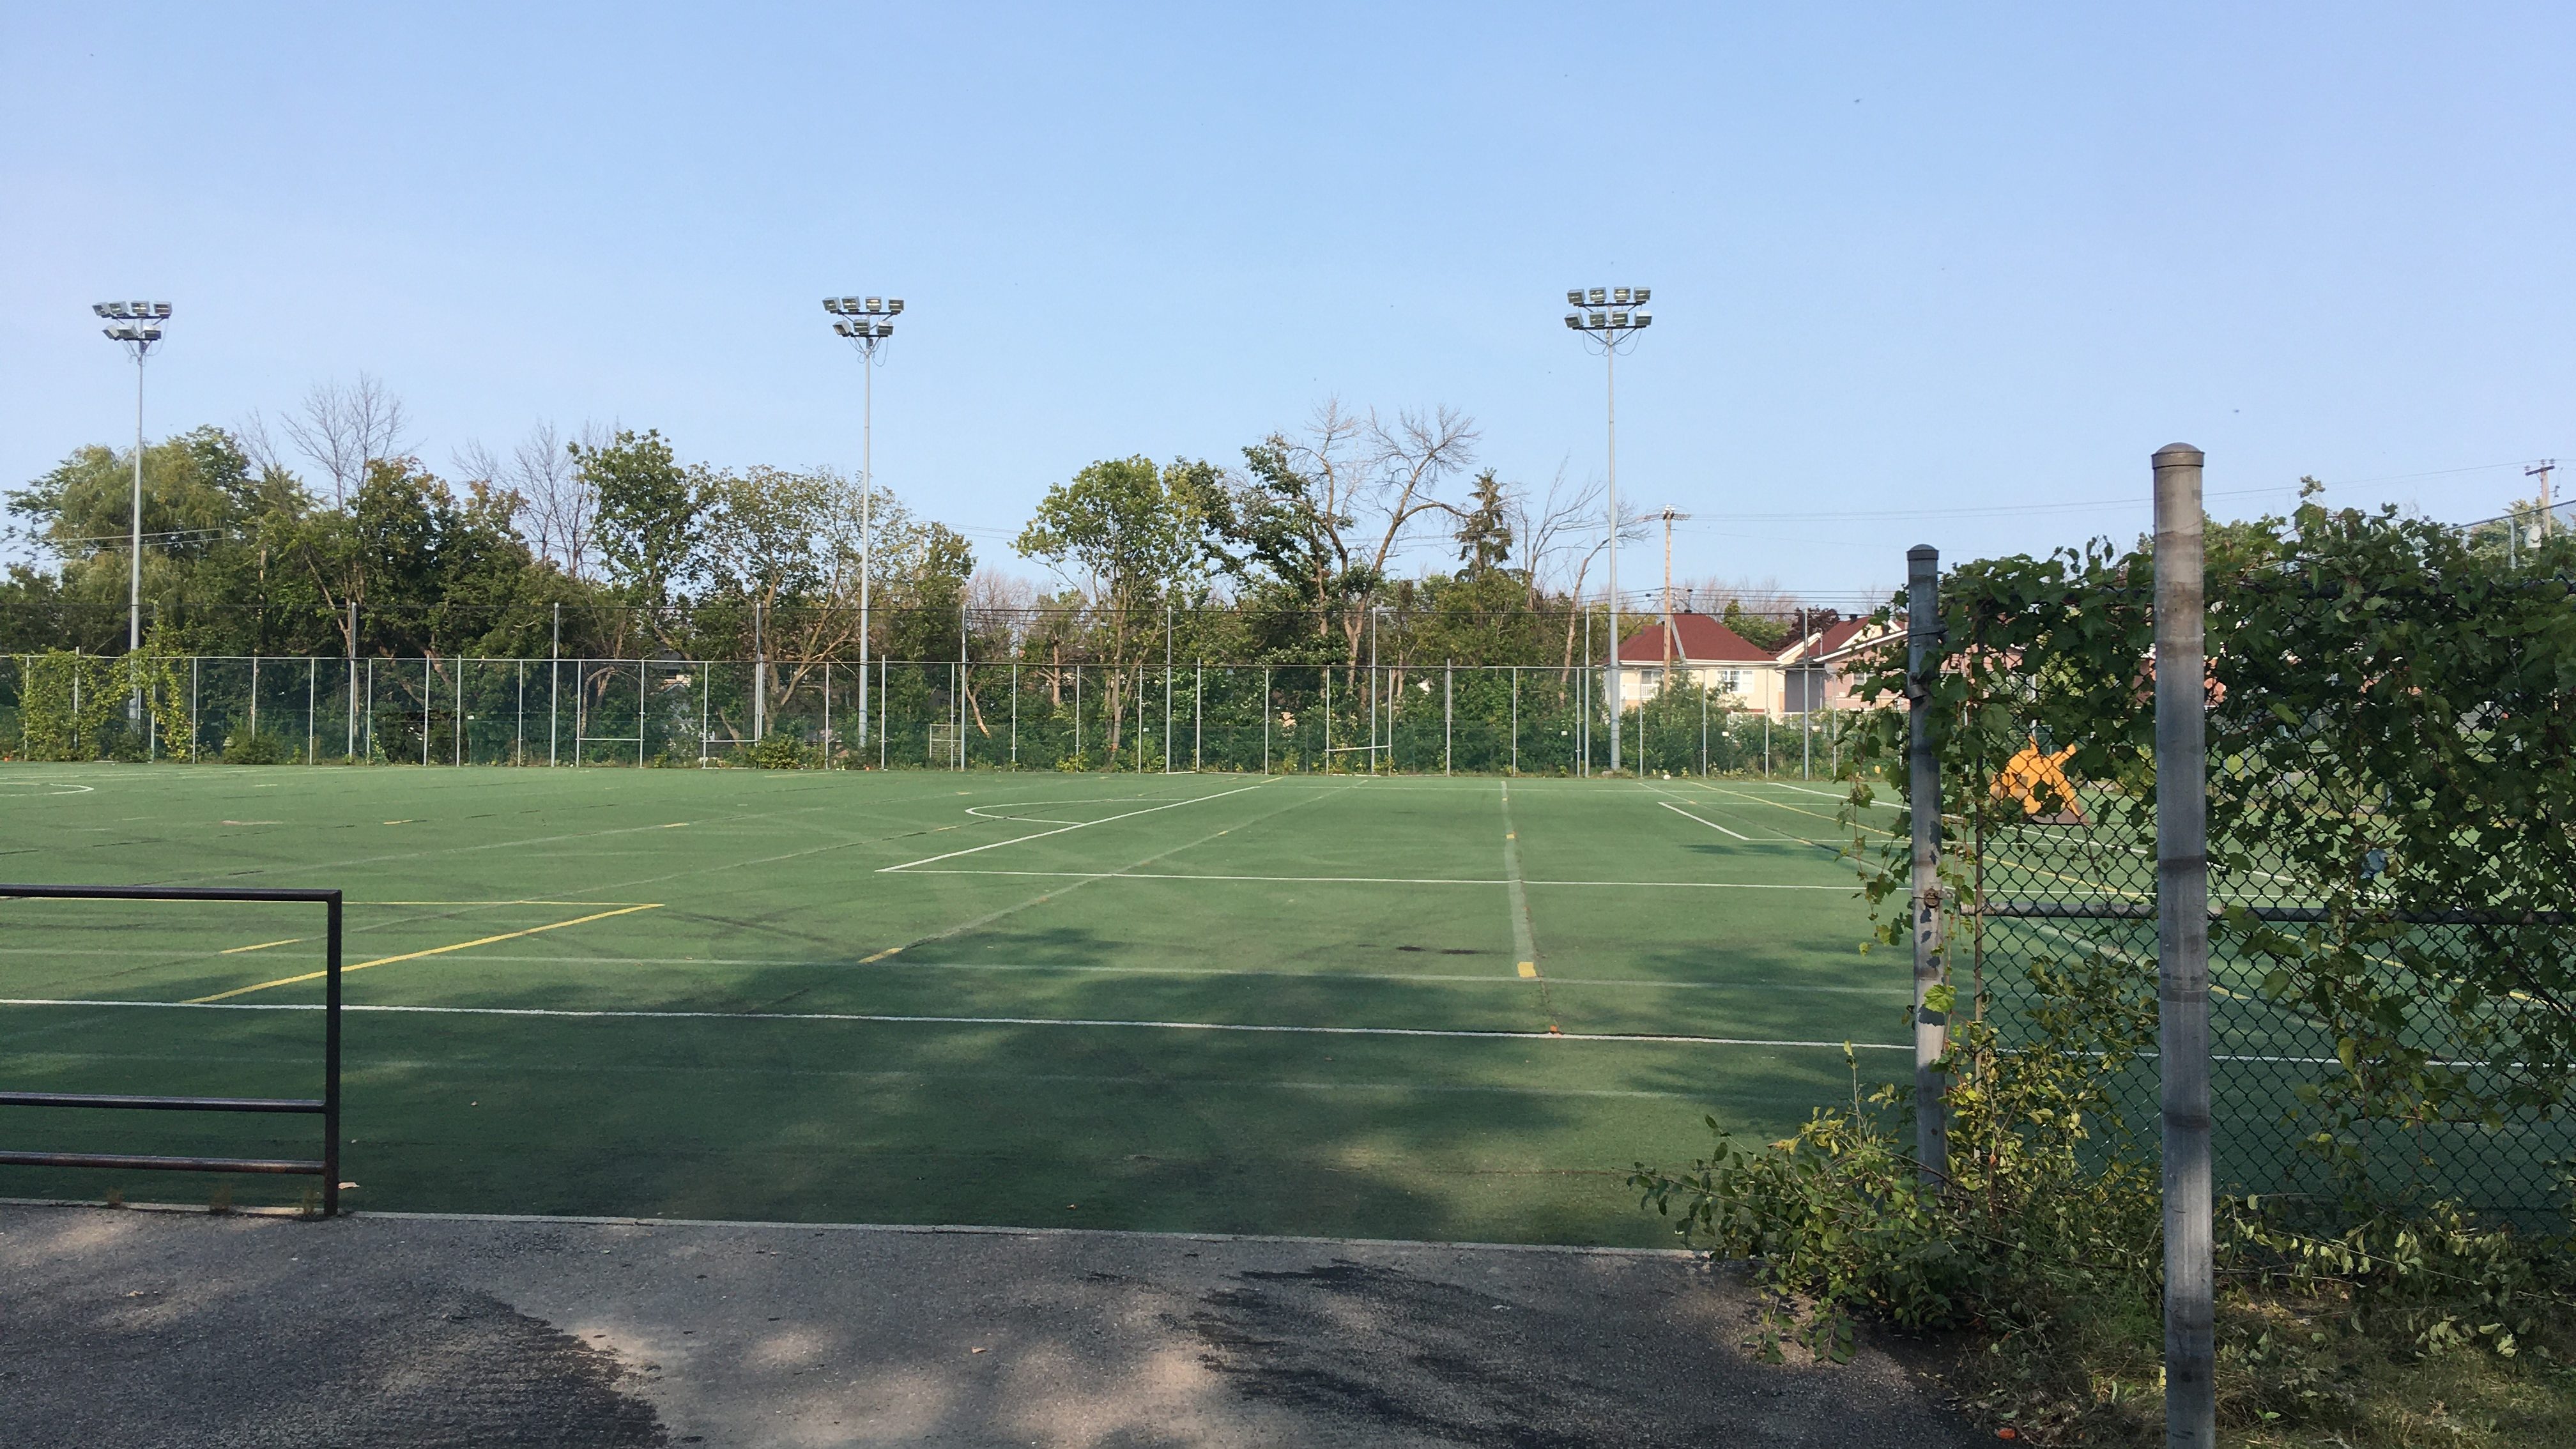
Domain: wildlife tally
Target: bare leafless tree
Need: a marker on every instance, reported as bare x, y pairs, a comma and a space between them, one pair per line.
559, 507
1554, 532
1408, 461
1371, 482
259, 445
344, 428
476, 463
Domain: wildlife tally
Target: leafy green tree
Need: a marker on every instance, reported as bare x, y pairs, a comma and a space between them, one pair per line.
652, 513
199, 490
1485, 530
1137, 539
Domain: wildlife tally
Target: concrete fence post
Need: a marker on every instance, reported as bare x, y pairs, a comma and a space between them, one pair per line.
2182, 950
1931, 1027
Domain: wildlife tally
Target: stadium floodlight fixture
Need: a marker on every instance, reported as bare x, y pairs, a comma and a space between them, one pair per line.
140, 331
1609, 322
865, 326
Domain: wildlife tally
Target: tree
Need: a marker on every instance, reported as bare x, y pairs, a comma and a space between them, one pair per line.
650, 517
346, 430
1485, 529
1325, 512
199, 492
1136, 538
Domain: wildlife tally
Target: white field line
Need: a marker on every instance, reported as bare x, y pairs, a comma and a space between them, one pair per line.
978, 811
1061, 829
1803, 790
892, 1020
1895, 991
1783, 805
899, 1076
1699, 885
1516, 897
1711, 824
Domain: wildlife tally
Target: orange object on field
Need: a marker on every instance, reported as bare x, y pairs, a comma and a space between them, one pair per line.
2038, 779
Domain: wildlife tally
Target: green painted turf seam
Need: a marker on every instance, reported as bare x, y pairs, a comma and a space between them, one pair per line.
890, 1019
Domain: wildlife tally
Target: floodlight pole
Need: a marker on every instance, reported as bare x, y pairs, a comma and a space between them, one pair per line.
1605, 321
137, 329
866, 322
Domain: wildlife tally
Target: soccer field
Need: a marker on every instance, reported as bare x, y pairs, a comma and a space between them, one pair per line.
1403, 1007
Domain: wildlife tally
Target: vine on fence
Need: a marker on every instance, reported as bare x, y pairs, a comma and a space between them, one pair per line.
2393, 735
2392, 723
67, 702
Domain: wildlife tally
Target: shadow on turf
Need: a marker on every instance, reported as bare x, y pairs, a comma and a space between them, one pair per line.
718, 1117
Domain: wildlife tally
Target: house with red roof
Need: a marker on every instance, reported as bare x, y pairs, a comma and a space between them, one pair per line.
1699, 651
1822, 669
1815, 671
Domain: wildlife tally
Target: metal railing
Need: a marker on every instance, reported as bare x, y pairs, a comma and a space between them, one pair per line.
326, 1106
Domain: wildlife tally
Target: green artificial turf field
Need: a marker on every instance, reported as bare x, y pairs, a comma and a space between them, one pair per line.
1204, 1002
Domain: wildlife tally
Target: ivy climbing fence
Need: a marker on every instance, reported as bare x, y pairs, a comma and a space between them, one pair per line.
2390, 716
894, 714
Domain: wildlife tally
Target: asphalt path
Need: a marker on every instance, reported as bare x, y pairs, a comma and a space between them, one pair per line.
125, 1326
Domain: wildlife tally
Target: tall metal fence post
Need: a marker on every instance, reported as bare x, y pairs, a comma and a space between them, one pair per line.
1931, 1028
2182, 950
331, 1058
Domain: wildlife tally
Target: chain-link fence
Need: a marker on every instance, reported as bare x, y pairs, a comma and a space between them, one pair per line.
2393, 917
1442, 719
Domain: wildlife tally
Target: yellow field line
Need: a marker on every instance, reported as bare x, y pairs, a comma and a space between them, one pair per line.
262, 946
416, 955
529, 902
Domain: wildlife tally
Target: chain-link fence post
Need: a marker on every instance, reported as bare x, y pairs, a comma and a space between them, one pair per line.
1931, 1027
2182, 950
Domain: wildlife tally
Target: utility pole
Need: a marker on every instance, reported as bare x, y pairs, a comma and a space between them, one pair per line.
2540, 470
867, 322
1672, 646
1606, 322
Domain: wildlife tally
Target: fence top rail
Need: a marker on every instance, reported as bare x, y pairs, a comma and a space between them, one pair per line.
166, 893
2146, 911
1383, 665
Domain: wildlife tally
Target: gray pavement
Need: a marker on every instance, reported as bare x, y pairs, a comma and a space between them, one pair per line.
182, 1329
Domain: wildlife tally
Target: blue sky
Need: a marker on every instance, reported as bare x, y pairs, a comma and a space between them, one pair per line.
1922, 274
